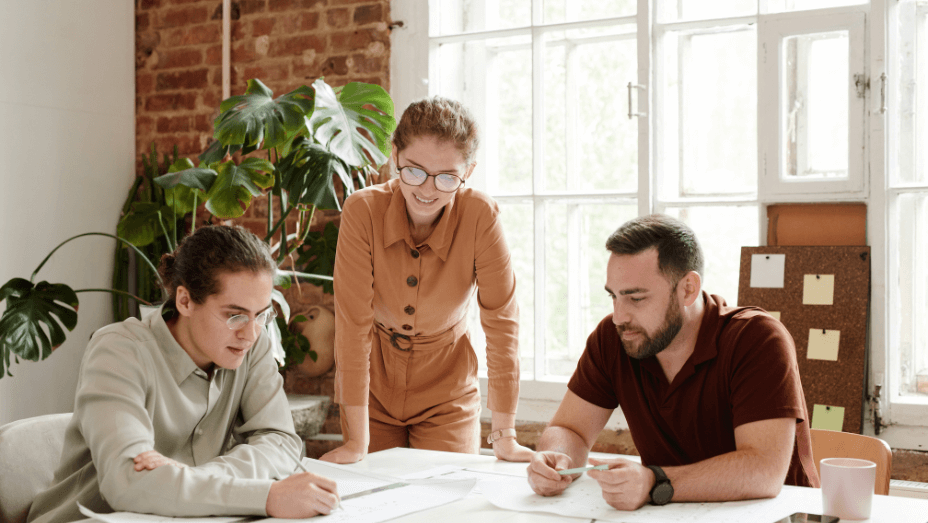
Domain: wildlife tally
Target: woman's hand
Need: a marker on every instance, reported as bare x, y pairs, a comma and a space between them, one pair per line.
347, 453
302, 495
508, 449
152, 459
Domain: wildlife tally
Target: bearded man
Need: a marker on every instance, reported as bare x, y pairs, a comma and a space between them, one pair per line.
711, 393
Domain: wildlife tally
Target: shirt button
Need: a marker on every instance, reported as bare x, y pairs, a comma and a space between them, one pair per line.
415, 253
412, 281
410, 310
407, 327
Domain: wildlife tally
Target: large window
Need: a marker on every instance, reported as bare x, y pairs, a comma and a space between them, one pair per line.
595, 111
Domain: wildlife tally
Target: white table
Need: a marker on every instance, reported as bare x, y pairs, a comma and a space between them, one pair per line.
474, 508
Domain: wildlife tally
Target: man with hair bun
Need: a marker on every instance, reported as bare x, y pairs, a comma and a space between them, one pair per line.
412, 253
182, 413
711, 393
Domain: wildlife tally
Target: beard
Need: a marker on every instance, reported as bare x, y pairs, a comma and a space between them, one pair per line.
654, 343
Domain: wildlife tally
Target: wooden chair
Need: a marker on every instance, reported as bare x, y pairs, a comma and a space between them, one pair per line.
30, 450
832, 444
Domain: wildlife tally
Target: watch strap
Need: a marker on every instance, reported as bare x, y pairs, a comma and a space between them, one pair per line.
659, 474
500, 434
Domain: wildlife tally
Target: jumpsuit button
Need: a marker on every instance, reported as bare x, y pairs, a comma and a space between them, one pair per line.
412, 281
415, 253
407, 327
409, 310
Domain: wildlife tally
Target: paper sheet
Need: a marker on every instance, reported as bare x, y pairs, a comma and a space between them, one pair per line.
818, 289
775, 314
823, 344
583, 499
767, 270
132, 517
828, 417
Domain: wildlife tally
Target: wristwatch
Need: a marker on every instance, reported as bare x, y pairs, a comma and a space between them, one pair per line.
500, 434
662, 490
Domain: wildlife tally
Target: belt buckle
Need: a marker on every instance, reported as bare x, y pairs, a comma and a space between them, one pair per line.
394, 336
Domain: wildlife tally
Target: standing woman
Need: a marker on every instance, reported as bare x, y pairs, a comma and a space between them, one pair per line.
411, 253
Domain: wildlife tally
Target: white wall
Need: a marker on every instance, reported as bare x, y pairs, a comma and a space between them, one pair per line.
67, 149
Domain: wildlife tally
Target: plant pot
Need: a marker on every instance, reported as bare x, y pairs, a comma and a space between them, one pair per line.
319, 329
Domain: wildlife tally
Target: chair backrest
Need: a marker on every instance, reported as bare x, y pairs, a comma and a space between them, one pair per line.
30, 450
833, 444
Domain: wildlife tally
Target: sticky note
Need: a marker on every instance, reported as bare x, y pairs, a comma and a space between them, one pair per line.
775, 314
767, 270
818, 289
823, 344
828, 417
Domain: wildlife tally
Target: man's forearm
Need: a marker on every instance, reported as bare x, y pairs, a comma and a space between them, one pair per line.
565, 441
736, 475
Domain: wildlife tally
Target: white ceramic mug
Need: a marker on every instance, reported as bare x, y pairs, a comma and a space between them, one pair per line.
847, 487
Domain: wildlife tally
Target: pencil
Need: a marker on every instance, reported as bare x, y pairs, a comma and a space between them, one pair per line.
304, 469
582, 469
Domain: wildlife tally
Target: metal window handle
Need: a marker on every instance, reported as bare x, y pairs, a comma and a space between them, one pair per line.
630, 87
883, 93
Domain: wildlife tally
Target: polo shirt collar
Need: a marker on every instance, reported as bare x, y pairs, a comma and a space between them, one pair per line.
396, 224
179, 362
706, 341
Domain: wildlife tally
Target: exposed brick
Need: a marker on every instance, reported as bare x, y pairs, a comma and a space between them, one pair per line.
337, 18
309, 4
295, 45
193, 35
203, 123
176, 58
242, 53
195, 79
176, 2
144, 83
188, 144
262, 26
335, 65
363, 64
144, 126
214, 55
171, 102
185, 16
355, 40
234, 13
368, 14
267, 73
282, 5
213, 97
248, 7
309, 21
141, 21
237, 30
149, 4
173, 124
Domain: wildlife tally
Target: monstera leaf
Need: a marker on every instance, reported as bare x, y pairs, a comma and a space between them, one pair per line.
30, 327
346, 124
185, 186
306, 175
143, 223
216, 152
256, 117
235, 186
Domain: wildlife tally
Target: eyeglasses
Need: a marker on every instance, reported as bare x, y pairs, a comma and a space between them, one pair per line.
240, 320
444, 182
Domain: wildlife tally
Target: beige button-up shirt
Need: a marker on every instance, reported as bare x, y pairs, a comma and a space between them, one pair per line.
138, 390
383, 276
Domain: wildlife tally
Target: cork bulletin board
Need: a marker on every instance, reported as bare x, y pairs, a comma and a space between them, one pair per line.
822, 296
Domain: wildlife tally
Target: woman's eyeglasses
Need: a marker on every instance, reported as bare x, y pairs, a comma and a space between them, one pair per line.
444, 182
240, 320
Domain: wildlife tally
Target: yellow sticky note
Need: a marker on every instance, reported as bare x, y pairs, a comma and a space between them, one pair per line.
818, 289
775, 314
828, 417
823, 344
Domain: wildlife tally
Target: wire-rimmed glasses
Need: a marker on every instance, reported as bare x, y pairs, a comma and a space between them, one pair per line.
262, 319
444, 182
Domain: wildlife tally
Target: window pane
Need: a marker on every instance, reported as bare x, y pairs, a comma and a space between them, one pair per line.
517, 225
558, 11
909, 96
575, 274
675, 10
494, 79
465, 16
721, 231
590, 145
814, 108
779, 6
709, 145
909, 302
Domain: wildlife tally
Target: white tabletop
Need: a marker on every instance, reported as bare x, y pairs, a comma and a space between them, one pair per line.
475, 508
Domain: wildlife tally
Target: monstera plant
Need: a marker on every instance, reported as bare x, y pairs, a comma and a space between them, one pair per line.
307, 150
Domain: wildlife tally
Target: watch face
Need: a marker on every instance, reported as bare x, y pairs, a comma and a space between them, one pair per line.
662, 493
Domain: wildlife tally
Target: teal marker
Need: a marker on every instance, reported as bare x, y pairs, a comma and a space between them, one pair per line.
582, 469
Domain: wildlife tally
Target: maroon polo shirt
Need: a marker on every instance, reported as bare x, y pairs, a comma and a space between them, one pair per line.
742, 370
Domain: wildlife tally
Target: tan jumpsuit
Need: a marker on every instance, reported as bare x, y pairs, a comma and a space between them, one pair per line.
401, 341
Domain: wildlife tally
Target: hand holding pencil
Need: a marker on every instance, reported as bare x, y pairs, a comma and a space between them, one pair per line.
302, 495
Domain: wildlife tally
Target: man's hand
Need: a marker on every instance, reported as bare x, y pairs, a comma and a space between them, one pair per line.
543, 476
626, 485
301, 496
508, 449
347, 453
152, 459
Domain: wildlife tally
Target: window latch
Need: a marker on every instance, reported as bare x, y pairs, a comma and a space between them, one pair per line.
862, 83
630, 87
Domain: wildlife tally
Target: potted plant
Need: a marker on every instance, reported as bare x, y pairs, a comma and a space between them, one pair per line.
314, 146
